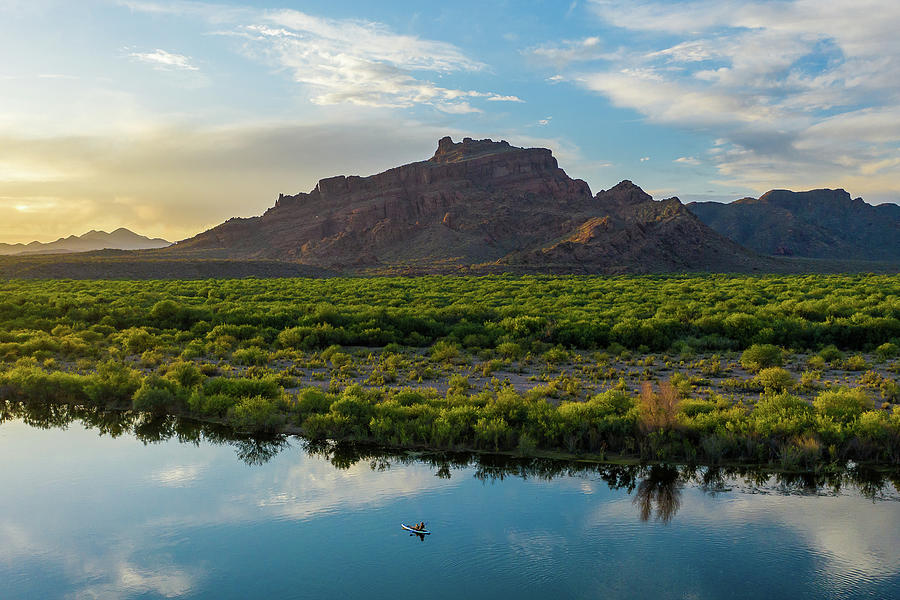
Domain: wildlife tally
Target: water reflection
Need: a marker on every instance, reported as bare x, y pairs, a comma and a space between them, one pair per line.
659, 493
657, 488
85, 516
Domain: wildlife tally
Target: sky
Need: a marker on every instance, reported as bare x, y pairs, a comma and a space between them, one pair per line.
168, 117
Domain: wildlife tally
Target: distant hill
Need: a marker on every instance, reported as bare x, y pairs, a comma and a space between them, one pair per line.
824, 224
120, 239
475, 203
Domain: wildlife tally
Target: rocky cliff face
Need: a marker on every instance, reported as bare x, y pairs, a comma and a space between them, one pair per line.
823, 223
476, 202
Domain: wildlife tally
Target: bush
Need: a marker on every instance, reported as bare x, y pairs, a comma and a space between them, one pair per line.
252, 356
216, 405
856, 362
556, 356
760, 356
112, 382
157, 396
776, 379
843, 405
887, 350
831, 354
458, 384
696, 406
509, 350
783, 415
445, 352
256, 415
185, 374
240, 387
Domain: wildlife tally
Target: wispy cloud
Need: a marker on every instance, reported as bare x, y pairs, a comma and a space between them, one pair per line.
798, 92
571, 51
160, 59
344, 61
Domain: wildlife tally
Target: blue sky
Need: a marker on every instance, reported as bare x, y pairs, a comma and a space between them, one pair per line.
168, 117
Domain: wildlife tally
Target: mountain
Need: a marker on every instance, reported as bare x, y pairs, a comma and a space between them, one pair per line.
481, 203
814, 224
120, 239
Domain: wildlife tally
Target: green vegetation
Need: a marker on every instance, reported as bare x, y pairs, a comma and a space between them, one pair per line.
649, 367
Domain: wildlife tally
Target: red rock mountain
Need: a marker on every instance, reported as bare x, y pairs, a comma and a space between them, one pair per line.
823, 224
475, 203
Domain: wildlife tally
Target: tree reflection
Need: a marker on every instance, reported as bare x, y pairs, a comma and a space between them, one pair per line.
657, 488
659, 494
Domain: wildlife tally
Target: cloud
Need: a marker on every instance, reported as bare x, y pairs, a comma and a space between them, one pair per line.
570, 51
645, 158
344, 61
544, 121
797, 93
160, 59
687, 160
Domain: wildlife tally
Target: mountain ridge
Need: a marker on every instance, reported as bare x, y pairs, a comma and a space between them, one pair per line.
821, 223
475, 202
118, 239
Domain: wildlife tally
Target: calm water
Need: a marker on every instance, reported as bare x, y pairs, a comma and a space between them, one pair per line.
84, 515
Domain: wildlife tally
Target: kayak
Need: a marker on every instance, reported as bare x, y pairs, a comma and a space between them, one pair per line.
414, 530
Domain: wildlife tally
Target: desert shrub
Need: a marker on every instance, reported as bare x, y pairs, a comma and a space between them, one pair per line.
340, 360
312, 400
695, 406
857, 362
816, 363
112, 382
760, 356
682, 384
157, 396
613, 402
887, 350
776, 379
185, 374
252, 356
444, 351
238, 387
831, 354
843, 404
256, 415
782, 414
658, 410
809, 380
137, 340
458, 384
510, 350
215, 405
32, 384
555, 356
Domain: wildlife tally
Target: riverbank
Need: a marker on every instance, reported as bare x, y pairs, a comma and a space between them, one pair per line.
779, 429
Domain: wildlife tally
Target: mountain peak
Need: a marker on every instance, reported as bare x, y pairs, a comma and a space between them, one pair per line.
625, 192
822, 223
120, 239
820, 196
449, 151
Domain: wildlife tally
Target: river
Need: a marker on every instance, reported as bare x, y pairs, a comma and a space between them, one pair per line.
121, 508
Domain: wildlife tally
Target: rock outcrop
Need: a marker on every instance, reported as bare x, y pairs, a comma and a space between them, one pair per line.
476, 202
823, 224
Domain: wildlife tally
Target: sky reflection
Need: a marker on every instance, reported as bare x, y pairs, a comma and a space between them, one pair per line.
85, 516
